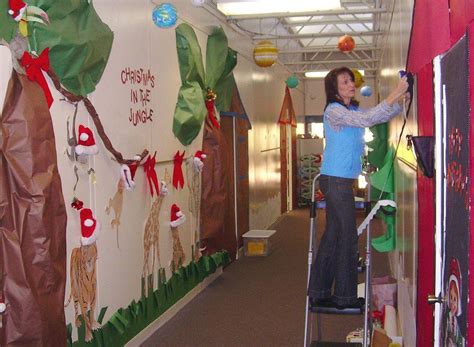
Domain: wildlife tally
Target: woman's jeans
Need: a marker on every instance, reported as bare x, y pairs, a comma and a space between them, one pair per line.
337, 256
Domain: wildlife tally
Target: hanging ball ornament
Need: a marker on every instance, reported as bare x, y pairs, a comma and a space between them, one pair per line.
346, 44
292, 81
198, 3
366, 91
265, 54
358, 78
164, 15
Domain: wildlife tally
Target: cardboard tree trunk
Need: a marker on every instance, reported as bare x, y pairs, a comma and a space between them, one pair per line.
32, 221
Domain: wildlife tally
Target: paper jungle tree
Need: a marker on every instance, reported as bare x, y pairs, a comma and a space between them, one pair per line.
66, 40
203, 92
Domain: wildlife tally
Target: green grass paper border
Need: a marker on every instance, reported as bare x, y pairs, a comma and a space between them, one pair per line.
127, 322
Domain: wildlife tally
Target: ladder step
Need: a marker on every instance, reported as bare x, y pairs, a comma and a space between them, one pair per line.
334, 310
334, 344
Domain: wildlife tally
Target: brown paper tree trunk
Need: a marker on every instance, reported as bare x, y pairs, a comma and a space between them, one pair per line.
215, 194
32, 221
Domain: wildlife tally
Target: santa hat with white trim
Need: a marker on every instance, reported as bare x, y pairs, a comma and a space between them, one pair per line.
86, 143
128, 172
198, 160
89, 227
455, 281
16, 8
177, 217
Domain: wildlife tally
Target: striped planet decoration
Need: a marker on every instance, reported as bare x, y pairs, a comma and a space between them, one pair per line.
265, 54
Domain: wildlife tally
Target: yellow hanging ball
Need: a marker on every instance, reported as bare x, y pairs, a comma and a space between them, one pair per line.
358, 78
265, 54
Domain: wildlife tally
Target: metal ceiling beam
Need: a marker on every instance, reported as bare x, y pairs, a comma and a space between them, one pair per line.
362, 68
317, 35
307, 14
327, 21
341, 61
326, 50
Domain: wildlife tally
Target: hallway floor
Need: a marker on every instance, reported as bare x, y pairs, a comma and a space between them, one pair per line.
257, 301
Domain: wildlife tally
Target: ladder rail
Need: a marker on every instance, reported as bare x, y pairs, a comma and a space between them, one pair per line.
365, 225
312, 236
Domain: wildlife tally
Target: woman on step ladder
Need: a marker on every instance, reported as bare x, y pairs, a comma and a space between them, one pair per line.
344, 123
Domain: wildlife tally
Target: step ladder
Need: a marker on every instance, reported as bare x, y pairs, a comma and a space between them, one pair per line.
363, 266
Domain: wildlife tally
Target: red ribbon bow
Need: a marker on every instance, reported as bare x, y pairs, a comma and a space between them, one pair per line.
150, 172
211, 111
178, 178
33, 67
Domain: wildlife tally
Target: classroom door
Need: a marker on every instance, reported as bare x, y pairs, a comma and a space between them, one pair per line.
453, 197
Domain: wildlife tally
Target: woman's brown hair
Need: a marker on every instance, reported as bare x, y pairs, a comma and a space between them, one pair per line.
330, 86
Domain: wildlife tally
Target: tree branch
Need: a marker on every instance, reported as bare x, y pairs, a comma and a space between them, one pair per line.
95, 117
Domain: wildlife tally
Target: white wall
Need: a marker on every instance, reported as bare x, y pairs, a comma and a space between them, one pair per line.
139, 44
403, 259
316, 97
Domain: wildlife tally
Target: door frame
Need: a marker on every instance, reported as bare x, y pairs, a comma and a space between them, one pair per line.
440, 194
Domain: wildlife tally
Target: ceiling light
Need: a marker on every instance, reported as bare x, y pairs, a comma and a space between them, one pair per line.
236, 7
322, 74
315, 74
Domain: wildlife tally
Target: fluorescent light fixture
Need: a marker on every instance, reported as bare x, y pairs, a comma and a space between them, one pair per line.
316, 74
322, 74
242, 7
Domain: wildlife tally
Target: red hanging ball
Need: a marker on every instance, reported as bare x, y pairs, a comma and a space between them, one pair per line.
346, 44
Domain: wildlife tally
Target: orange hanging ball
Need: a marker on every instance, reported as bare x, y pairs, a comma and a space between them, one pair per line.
346, 44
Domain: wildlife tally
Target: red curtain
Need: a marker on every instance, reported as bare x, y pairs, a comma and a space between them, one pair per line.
426, 203
430, 34
461, 12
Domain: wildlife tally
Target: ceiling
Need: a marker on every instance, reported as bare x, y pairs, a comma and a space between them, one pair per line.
307, 41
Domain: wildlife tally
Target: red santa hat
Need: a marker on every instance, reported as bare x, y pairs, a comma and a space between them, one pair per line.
89, 227
86, 143
198, 160
177, 217
16, 8
455, 282
128, 173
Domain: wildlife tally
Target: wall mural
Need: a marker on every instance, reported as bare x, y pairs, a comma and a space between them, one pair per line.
70, 44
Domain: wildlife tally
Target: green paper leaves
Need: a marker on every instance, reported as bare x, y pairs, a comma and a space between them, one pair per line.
217, 47
189, 113
190, 108
78, 40
8, 26
382, 182
189, 55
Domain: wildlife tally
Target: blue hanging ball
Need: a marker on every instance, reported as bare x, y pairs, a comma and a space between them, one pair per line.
292, 81
366, 91
164, 15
